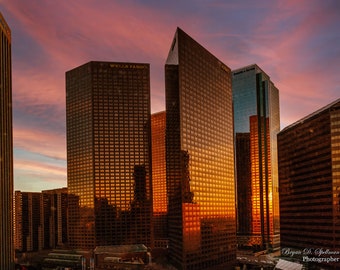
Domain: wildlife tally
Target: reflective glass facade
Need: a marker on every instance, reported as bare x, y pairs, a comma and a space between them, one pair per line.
256, 124
200, 157
309, 170
6, 148
160, 202
108, 154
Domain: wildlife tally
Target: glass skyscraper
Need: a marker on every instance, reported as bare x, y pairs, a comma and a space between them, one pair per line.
256, 124
6, 148
109, 154
199, 157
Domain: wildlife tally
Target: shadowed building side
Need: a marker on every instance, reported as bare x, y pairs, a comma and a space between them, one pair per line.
6, 149
309, 170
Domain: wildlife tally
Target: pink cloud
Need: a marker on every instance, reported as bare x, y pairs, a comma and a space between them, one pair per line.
71, 34
40, 168
279, 37
49, 144
32, 86
292, 55
37, 177
63, 28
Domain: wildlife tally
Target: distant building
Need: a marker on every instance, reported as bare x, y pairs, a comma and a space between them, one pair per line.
160, 201
109, 154
309, 173
55, 204
28, 221
256, 124
40, 220
199, 157
6, 148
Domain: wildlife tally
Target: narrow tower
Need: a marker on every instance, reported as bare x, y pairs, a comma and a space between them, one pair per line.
160, 202
6, 149
257, 122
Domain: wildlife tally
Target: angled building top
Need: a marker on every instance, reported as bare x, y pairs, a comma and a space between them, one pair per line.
4, 27
173, 53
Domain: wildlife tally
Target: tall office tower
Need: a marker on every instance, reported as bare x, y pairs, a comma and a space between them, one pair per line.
6, 149
108, 154
199, 157
160, 202
256, 124
28, 221
309, 170
54, 207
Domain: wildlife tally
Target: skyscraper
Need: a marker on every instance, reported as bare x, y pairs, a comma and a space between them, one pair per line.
256, 124
108, 154
309, 170
160, 201
6, 148
199, 156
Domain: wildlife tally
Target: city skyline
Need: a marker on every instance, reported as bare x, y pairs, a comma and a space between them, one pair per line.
294, 43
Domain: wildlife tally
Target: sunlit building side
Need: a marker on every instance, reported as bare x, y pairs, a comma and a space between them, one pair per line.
256, 124
6, 149
309, 170
199, 157
108, 154
160, 202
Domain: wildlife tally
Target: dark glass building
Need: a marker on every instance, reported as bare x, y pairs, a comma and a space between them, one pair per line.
108, 154
309, 173
6, 148
160, 201
256, 124
199, 157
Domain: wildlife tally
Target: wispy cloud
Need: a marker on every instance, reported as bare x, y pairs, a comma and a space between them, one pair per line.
36, 171
47, 143
296, 42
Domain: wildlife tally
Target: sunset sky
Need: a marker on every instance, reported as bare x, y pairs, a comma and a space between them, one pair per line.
297, 43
